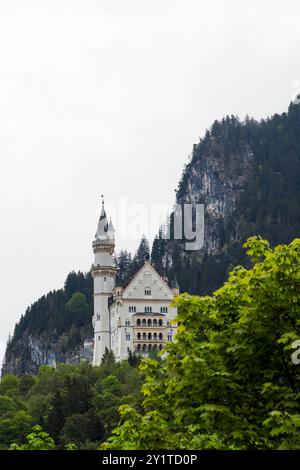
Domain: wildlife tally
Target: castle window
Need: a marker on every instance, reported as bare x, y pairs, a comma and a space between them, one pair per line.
163, 309
169, 337
132, 309
144, 322
160, 336
127, 323
138, 347
99, 338
98, 316
149, 336
149, 347
160, 346
160, 322
105, 279
127, 336
139, 336
138, 322
144, 336
147, 291
155, 336
129, 309
154, 322
144, 347
149, 322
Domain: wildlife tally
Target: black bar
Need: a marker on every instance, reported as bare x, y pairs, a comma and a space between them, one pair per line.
138, 459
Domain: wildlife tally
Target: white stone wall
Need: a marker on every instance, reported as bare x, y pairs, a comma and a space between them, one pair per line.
133, 302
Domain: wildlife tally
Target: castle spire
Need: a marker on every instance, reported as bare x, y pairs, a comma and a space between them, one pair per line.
102, 228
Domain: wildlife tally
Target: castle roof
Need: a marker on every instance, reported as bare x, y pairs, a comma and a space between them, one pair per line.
147, 264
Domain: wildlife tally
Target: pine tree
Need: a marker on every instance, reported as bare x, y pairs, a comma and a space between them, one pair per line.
142, 254
108, 357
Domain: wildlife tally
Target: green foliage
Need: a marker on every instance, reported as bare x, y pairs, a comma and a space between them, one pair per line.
80, 428
36, 440
39, 440
77, 404
78, 305
228, 381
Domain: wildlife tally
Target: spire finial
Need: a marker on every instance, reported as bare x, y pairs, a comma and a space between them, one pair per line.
102, 197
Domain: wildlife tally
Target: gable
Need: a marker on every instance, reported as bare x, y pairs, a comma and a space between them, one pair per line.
147, 278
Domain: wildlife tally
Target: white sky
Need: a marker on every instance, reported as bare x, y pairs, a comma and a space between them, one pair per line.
109, 96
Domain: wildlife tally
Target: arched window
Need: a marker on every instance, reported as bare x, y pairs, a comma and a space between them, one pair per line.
155, 346
160, 346
154, 322
98, 316
149, 347
148, 291
144, 322
155, 336
149, 322
129, 309
127, 336
138, 347
149, 336
139, 336
138, 322
160, 322
160, 336
127, 323
144, 336
144, 347
169, 337
99, 338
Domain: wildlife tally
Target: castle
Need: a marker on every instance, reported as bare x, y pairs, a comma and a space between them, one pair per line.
136, 317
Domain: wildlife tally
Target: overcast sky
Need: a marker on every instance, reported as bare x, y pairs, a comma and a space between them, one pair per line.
109, 96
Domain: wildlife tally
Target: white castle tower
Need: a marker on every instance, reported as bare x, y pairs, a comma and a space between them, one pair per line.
104, 274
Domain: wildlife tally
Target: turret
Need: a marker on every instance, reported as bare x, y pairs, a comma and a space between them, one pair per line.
175, 286
104, 274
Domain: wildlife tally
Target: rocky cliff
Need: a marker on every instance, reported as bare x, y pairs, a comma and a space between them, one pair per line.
247, 175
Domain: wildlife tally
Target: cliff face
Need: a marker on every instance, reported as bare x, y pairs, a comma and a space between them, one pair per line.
217, 177
33, 352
